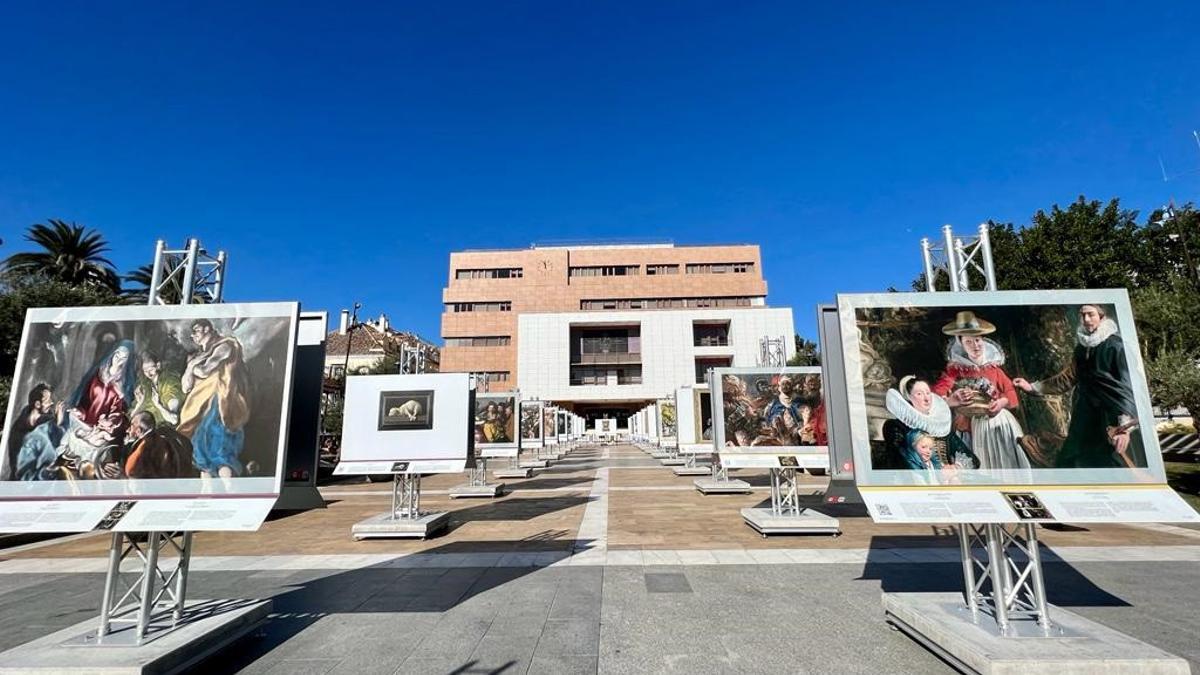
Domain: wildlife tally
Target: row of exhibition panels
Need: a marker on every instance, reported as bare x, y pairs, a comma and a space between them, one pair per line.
215, 395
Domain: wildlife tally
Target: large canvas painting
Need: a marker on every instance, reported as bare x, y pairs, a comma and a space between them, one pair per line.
666, 418
1011, 387
770, 411
405, 410
496, 419
181, 401
531, 421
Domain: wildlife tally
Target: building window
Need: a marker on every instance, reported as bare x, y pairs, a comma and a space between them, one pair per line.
665, 303
601, 376
710, 334
662, 269
505, 306
493, 375
605, 271
486, 341
490, 273
720, 268
704, 364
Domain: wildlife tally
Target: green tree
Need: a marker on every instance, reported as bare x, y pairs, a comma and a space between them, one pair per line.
22, 293
69, 253
807, 353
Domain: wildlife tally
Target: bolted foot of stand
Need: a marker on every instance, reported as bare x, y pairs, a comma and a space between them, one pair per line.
405, 519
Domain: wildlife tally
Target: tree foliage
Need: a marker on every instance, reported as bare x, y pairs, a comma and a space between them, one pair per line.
1090, 244
22, 293
807, 353
69, 253
136, 290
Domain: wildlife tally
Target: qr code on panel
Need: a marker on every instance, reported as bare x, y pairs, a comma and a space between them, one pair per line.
884, 509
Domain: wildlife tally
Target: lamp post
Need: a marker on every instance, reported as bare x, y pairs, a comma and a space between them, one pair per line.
349, 339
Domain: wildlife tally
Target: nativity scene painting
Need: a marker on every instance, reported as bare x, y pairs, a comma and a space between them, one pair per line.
101, 400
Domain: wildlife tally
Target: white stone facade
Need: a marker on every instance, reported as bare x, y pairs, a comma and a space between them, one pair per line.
668, 355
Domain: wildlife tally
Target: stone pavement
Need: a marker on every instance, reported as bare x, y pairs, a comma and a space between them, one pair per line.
606, 562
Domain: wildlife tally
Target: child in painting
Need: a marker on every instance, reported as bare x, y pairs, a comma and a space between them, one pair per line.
919, 455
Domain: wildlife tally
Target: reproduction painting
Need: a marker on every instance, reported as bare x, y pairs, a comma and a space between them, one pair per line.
702, 402
1007, 387
404, 410
182, 400
496, 419
765, 410
666, 419
531, 421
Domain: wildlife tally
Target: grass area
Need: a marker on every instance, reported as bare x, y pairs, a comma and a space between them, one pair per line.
1184, 477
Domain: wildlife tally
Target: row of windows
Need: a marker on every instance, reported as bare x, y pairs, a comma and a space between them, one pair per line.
503, 306
493, 375
720, 268
663, 303
605, 271
584, 375
662, 269
486, 341
491, 273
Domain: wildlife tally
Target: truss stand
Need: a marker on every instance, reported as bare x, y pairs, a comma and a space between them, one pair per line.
785, 515
690, 467
1001, 622
515, 469
406, 520
146, 622
719, 482
477, 485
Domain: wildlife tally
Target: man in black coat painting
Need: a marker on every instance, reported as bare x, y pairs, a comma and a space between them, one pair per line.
1103, 412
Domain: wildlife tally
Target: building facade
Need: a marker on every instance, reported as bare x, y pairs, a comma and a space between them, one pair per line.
613, 325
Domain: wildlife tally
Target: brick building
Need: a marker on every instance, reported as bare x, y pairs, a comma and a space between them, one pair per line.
605, 326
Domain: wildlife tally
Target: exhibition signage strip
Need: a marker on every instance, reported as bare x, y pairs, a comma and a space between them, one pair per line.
1002, 407
148, 418
771, 417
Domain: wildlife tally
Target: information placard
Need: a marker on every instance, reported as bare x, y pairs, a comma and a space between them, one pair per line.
126, 417
1002, 407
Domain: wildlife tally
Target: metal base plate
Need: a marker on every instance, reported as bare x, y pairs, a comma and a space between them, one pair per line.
676, 461
208, 626
384, 526
808, 522
657, 454
709, 486
299, 498
533, 464
513, 473
1073, 645
489, 491
692, 471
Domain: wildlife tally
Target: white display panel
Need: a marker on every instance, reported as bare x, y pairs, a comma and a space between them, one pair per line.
972, 397
136, 409
549, 425
408, 424
770, 417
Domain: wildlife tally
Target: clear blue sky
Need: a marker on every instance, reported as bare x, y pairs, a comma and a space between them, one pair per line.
340, 151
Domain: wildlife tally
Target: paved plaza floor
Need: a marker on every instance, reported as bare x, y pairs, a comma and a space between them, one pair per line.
606, 562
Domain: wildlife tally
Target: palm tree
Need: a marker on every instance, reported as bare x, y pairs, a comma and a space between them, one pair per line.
70, 253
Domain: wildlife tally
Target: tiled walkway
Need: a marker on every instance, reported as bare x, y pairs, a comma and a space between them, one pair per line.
606, 562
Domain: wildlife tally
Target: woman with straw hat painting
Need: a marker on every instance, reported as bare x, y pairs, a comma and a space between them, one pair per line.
981, 395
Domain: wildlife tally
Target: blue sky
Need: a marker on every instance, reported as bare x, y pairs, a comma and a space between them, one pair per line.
340, 151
